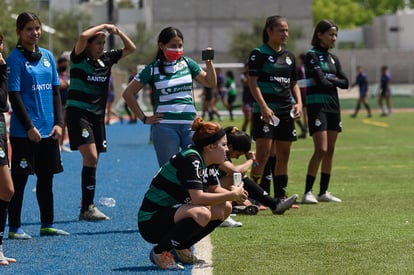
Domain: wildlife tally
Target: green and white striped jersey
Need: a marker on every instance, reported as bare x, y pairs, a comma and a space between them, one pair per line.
173, 91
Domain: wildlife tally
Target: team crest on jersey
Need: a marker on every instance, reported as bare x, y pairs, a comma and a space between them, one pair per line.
46, 62
23, 163
85, 133
2, 153
271, 59
318, 122
288, 60
180, 65
253, 57
321, 58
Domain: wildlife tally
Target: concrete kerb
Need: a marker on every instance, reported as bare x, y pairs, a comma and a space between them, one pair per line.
204, 250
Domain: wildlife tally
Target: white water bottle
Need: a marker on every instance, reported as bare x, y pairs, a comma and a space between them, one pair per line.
237, 179
108, 202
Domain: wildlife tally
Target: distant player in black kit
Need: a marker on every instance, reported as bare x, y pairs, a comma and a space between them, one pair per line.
324, 114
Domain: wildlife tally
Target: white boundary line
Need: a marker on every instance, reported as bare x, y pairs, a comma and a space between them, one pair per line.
204, 250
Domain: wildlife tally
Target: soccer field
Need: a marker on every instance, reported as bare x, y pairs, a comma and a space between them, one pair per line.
370, 232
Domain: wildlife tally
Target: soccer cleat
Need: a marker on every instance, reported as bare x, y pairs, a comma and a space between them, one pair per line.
51, 231
165, 260
328, 197
229, 222
246, 210
19, 235
185, 256
284, 204
92, 214
309, 198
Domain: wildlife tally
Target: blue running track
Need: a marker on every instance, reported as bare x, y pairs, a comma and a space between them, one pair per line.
106, 247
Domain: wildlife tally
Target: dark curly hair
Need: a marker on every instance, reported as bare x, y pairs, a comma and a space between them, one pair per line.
239, 140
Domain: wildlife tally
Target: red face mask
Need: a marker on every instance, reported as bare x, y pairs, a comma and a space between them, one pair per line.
173, 54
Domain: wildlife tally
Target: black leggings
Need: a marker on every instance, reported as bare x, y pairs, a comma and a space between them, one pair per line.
259, 194
44, 195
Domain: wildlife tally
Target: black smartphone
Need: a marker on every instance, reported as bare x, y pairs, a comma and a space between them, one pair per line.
207, 54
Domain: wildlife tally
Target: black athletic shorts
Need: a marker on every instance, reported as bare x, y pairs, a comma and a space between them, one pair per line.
154, 230
285, 131
323, 121
208, 94
4, 148
85, 128
35, 158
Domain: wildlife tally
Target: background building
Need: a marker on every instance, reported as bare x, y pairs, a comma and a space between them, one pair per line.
203, 23
387, 41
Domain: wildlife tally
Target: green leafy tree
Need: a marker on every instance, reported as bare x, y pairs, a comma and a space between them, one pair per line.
243, 42
68, 26
8, 12
127, 4
352, 13
146, 48
381, 7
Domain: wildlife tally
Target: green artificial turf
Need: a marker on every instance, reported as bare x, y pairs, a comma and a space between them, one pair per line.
370, 232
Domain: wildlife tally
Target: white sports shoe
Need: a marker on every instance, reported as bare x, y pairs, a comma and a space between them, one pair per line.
328, 197
229, 222
309, 198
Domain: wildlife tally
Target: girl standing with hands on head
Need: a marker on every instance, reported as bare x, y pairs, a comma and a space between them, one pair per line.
324, 114
90, 71
171, 78
35, 125
272, 82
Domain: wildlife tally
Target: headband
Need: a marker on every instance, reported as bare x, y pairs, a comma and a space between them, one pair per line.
211, 139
